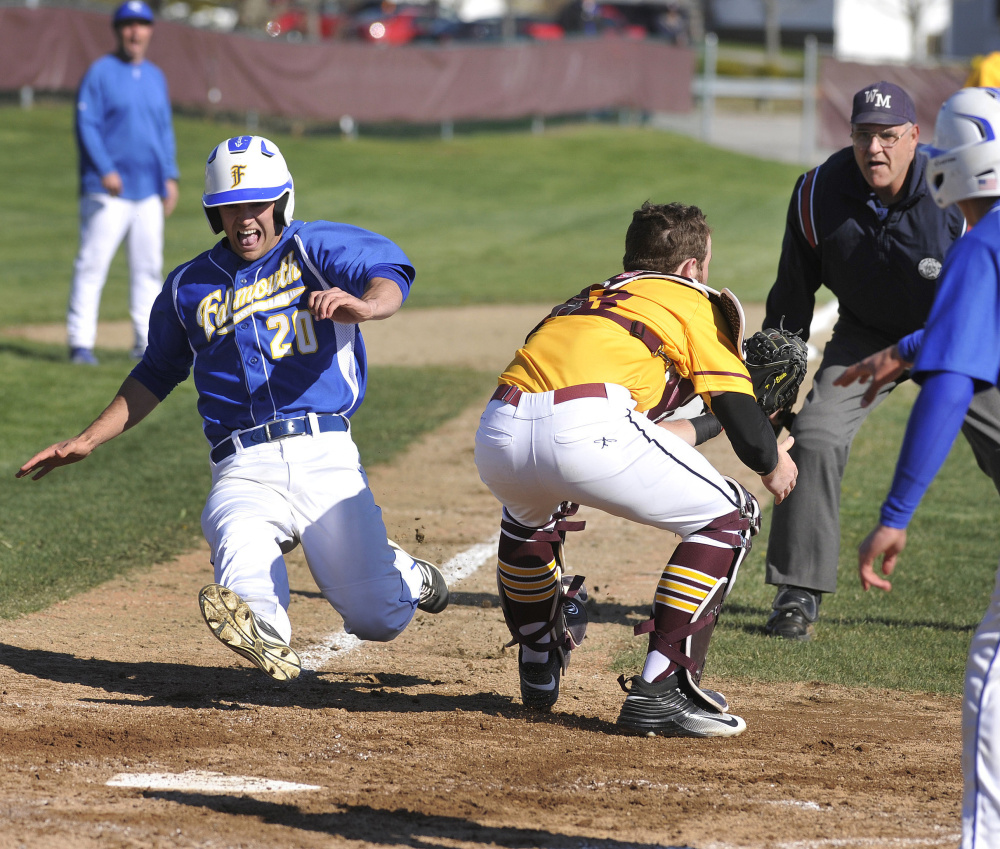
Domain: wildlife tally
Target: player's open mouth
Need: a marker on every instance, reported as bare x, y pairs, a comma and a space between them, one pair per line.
248, 238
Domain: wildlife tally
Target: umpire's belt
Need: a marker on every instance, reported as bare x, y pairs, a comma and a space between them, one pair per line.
280, 429
511, 394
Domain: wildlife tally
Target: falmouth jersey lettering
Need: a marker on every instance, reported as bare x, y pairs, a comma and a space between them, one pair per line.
218, 311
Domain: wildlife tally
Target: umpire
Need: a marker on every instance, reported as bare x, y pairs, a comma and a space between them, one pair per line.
864, 225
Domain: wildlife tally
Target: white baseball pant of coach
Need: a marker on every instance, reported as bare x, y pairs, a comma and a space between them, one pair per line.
981, 731
310, 489
600, 453
104, 222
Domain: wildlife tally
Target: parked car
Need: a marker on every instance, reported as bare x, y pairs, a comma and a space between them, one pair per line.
390, 23
494, 29
292, 22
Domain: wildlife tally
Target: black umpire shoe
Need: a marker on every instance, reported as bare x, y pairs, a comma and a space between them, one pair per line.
665, 709
795, 611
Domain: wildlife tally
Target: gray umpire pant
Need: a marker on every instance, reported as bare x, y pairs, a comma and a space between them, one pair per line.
803, 547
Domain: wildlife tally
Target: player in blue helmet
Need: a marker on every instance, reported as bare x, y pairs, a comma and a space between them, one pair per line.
128, 179
268, 322
958, 356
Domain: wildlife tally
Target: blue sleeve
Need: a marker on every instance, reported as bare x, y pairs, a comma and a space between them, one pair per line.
348, 257
909, 346
962, 334
935, 421
395, 273
90, 123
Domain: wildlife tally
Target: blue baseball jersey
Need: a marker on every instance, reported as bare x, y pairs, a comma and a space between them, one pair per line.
959, 352
244, 328
963, 328
123, 124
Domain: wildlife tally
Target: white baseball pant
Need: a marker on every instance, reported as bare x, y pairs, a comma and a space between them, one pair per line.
981, 733
104, 222
310, 489
600, 453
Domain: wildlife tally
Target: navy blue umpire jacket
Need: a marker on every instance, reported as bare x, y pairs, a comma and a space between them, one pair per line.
883, 271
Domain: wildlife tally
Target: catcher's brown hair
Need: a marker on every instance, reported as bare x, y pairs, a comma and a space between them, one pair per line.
663, 236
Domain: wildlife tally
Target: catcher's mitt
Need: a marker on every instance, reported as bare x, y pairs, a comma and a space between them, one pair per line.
776, 359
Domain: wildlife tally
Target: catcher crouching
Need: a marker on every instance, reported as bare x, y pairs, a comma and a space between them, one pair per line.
583, 416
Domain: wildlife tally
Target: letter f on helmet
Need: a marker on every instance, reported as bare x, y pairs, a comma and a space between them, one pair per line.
247, 169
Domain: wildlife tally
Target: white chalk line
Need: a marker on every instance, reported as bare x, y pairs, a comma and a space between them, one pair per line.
823, 319
462, 565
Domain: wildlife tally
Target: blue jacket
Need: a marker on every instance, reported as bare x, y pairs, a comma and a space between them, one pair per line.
884, 273
256, 352
123, 124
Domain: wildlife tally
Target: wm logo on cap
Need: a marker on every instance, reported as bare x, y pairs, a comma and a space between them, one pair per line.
881, 101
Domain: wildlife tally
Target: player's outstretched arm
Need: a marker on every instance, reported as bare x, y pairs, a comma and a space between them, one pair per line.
881, 368
129, 407
382, 298
884, 542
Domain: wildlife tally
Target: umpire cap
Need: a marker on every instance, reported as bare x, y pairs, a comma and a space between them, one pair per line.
883, 103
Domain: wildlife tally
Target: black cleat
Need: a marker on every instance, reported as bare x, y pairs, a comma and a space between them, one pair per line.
795, 611
664, 709
540, 681
433, 587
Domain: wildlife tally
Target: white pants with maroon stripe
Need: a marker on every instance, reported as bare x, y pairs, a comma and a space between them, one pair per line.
104, 222
596, 452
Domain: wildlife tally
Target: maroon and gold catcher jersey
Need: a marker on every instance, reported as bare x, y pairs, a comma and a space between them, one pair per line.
576, 344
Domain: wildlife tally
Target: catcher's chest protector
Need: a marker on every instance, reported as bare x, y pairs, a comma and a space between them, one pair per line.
598, 300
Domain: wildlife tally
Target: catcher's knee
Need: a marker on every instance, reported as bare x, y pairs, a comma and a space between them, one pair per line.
536, 597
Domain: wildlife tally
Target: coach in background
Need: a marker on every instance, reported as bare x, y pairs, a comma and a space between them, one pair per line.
864, 225
958, 359
128, 179
573, 421
268, 321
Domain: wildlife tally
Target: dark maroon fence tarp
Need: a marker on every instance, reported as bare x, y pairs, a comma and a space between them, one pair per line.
49, 49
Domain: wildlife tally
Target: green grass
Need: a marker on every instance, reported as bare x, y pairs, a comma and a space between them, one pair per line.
138, 499
486, 218
913, 638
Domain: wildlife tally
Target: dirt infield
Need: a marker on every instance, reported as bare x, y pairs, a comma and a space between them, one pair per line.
123, 723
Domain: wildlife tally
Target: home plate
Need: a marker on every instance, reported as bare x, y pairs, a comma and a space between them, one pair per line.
205, 782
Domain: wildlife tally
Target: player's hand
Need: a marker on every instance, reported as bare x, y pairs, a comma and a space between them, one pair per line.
112, 183
61, 454
338, 305
885, 542
170, 198
781, 481
881, 368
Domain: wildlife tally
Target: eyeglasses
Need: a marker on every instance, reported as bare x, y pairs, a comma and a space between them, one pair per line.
887, 139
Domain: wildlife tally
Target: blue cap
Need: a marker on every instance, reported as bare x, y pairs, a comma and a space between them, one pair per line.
883, 103
132, 10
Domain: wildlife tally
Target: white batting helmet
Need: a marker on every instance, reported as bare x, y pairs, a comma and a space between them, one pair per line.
247, 169
965, 157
